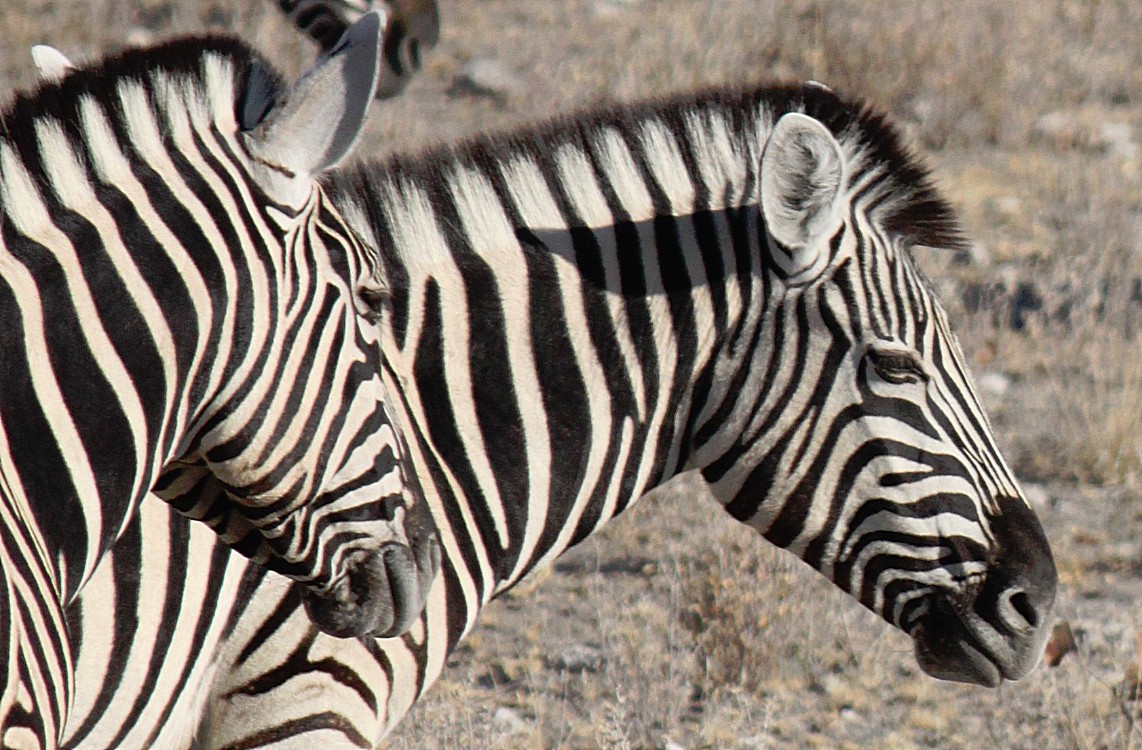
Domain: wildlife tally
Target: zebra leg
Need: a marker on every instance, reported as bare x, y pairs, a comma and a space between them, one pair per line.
412, 29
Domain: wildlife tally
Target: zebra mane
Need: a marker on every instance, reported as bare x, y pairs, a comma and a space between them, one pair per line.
182, 61
893, 179
911, 204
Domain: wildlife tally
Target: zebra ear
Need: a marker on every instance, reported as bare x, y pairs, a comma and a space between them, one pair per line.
316, 122
802, 171
51, 64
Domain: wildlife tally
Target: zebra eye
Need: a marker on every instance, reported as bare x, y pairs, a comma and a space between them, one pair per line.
897, 365
373, 301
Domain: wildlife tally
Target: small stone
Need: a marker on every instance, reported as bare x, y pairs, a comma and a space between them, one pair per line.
1060, 129
672, 745
833, 685
757, 742
487, 78
138, 36
1118, 139
977, 254
1037, 495
1007, 206
850, 715
578, 659
506, 721
994, 383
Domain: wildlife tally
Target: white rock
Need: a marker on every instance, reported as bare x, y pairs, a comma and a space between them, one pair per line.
1008, 206
1062, 129
977, 254
613, 8
994, 383
579, 658
487, 77
1037, 495
1118, 139
138, 36
507, 721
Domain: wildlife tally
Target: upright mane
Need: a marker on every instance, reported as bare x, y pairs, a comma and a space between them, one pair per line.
906, 199
180, 68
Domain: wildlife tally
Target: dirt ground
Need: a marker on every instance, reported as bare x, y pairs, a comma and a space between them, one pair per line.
675, 628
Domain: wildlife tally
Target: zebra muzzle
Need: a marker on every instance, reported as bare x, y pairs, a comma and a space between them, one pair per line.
383, 593
995, 630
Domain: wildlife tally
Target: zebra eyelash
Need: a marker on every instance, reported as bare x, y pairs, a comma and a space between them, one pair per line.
897, 366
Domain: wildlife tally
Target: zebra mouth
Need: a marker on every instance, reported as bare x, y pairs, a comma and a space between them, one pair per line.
983, 640
947, 650
382, 595
993, 627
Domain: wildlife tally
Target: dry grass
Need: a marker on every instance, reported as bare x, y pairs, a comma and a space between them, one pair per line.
708, 638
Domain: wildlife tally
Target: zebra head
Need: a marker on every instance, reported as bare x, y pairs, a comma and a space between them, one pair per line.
413, 28
296, 463
866, 451
306, 448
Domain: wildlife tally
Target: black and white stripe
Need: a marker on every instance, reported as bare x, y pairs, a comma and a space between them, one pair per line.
178, 291
720, 282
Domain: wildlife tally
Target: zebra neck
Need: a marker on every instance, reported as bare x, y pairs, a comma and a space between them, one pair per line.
552, 324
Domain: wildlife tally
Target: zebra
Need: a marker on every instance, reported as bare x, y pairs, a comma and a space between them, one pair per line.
179, 295
413, 30
721, 281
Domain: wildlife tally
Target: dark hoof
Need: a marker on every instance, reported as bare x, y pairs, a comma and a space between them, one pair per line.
383, 594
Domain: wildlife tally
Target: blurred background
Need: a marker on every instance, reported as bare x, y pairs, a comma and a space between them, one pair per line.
676, 628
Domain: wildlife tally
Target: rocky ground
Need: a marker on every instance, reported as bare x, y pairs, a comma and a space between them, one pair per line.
675, 628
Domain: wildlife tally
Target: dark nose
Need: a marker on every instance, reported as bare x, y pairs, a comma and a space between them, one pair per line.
1019, 592
387, 589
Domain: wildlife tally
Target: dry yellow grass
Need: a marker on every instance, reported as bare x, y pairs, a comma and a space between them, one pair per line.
708, 638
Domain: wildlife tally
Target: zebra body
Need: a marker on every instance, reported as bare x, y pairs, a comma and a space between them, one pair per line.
578, 312
178, 291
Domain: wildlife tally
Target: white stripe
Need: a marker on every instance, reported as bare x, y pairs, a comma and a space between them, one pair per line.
29, 215
112, 168
589, 203
666, 164
487, 226
417, 237
70, 183
534, 202
721, 164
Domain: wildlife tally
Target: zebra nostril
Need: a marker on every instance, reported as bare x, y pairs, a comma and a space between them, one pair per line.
1021, 603
1017, 611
